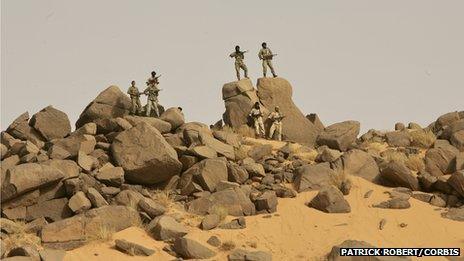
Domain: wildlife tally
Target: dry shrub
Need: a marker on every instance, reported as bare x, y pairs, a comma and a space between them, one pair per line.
162, 197
227, 245
422, 138
415, 163
103, 234
220, 211
375, 147
21, 238
245, 131
393, 155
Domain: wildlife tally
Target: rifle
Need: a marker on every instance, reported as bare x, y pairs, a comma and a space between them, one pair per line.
269, 56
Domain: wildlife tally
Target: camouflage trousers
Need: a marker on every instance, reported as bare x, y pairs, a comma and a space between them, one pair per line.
259, 127
268, 63
276, 129
152, 105
242, 66
136, 105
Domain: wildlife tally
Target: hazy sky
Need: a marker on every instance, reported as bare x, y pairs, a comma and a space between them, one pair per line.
378, 62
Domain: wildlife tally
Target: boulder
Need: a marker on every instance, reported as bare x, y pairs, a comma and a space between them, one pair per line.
133, 249
236, 173
21, 129
210, 221
312, 177
314, 119
110, 103
191, 132
69, 168
395, 173
161, 125
24, 251
228, 137
152, 208
330, 200
52, 210
218, 146
174, 116
241, 254
239, 97
274, 92
439, 161
79, 203
191, 249
454, 214
398, 138
128, 198
51, 123
47, 254
361, 164
112, 176
207, 173
328, 155
166, 228
96, 198
27, 177
456, 181
73, 232
394, 203
339, 135
446, 120
145, 155
73, 144
457, 139
257, 152
266, 202
204, 152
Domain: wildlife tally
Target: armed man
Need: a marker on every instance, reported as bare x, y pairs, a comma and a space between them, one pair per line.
257, 117
239, 64
135, 98
152, 92
266, 55
276, 127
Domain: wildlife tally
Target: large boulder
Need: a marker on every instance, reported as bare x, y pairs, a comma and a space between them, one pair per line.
191, 249
296, 127
313, 177
174, 116
239, 97
456, 181
439, 161
75, 231
398, 138
145, 155
330, 200
220, 147
161, 125
167, 228
51, 123
27, 177
20, 129
395, 173
339, 135
361, 164
110, 103
207, 173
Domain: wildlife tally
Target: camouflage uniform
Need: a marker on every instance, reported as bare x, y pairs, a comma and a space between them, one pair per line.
152, 100
276, 127
258, 122
135, 99
239, 64
265, 54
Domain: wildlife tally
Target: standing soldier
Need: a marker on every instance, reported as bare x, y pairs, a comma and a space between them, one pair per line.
257, 117
276, 127
266, 55
135, 98
239, 64
152, 92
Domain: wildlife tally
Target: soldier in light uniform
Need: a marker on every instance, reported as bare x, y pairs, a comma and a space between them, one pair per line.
266, 55
135, 98
239, 64
276, 126
257, 117
152, 92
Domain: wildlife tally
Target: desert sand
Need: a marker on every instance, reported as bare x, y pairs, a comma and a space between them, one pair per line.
297, 232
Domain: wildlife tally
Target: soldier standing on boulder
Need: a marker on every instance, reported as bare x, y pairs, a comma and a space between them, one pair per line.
266, 55
135, 98
152, 92
276, 127
257, 117
239, 64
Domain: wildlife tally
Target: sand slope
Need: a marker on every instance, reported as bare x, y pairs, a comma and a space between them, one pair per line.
296, 232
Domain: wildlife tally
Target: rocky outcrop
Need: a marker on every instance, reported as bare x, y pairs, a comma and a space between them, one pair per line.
145, 155
339, 135
239, 97
110, 103
296, 127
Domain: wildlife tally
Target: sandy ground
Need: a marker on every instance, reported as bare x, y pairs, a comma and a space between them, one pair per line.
297, 232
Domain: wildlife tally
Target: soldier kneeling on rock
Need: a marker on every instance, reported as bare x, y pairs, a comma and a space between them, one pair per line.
276, 124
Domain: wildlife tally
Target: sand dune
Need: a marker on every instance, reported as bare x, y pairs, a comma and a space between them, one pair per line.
296, 232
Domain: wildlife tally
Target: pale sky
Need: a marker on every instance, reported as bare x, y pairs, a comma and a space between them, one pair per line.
378, 62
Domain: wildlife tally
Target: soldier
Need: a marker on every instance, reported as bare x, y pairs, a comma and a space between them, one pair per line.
135, 98
239, 64
276, 127
152, 92
266, 55
153, 79
257, 117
